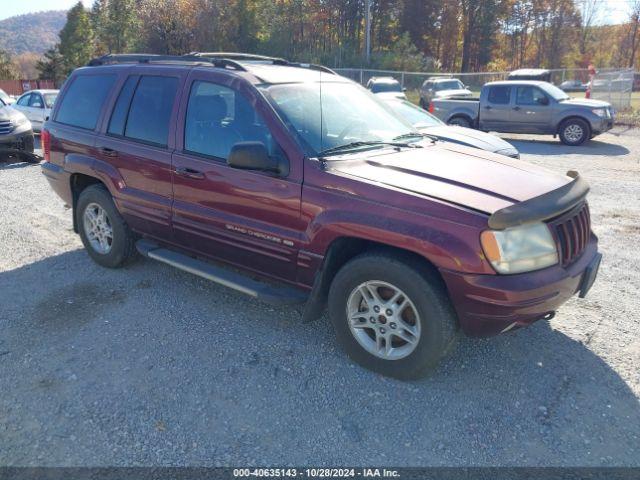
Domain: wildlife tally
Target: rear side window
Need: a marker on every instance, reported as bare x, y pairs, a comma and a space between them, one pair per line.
500, 95
150, 110
121, 110
83, 100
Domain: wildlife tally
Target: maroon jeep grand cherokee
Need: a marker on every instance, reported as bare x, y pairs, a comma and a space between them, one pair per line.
234, 167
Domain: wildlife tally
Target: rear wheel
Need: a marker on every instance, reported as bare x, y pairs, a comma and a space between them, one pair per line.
103, 231
390, 316
574, 131
460, 121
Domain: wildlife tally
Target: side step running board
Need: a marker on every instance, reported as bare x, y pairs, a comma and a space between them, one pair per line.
274, 295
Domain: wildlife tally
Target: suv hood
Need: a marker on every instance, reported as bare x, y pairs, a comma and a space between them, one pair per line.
471, 138
9, 113
586, 102
454, 93
472, 178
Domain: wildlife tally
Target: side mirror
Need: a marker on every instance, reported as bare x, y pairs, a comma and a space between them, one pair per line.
543, 101
254, 156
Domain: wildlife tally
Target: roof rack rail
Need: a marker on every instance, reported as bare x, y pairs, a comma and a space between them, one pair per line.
249, 57
111, 59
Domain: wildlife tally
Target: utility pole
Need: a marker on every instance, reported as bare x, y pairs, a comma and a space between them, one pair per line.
367, 28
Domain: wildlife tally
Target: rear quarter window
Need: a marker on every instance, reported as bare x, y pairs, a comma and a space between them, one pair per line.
82, 103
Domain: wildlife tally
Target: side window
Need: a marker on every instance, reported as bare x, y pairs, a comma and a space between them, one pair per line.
218, 118
36, 101
23, 101
529, 96
121, 109
82, 102
150, 110
500, 95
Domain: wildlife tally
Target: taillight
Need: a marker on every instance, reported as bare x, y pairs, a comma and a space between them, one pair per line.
45, 139
431, 107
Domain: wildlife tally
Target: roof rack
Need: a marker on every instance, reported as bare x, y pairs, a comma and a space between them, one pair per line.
249, 57
111, 59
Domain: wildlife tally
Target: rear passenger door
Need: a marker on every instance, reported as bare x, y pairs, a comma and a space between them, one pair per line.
495, 109
137, 141
246, 218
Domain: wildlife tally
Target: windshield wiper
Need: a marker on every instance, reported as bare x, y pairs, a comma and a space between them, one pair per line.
352, 145
414, 135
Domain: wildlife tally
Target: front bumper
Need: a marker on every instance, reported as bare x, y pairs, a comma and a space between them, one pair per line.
602, 125
21, 142
489, 304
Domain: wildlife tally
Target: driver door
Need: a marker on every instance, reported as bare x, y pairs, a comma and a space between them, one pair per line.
247, 218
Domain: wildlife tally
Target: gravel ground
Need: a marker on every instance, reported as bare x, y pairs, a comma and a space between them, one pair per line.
151, 366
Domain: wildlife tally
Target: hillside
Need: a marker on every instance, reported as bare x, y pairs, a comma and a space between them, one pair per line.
33, 32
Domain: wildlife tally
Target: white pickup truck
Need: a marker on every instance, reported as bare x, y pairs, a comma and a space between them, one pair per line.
525, 106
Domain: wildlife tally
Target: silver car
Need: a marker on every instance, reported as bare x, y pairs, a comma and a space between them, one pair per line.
37, 106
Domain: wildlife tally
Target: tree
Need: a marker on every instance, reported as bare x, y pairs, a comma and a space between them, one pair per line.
8, 69
76, 38
52, 66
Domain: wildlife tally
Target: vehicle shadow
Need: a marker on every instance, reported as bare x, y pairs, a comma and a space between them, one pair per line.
148, 357
554, 147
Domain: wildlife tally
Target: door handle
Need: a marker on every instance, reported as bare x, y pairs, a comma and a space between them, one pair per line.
488, 107
517, 109
189, 172
108, 152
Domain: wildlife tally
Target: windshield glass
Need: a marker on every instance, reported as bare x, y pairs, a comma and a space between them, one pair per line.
449, 85
49, 99
415, 115
386, 87
328, 115
554, 91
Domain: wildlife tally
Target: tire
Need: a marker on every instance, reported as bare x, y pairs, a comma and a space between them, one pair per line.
121, 248
428, 312
574, 131
460, 121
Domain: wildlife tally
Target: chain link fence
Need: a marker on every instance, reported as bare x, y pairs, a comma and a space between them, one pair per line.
612, 85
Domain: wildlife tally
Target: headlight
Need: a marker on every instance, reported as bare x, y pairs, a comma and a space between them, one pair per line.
520, 249
21, 121
601, 112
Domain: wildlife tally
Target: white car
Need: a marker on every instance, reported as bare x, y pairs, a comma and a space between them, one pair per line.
386, 87
37, 106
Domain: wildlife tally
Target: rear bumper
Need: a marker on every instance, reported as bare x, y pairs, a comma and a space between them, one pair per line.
60, 181
488, 304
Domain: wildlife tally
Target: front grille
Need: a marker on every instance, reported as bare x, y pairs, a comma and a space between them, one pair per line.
5, 127
572, 233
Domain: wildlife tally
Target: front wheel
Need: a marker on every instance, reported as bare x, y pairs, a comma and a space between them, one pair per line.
391, 316
574, 131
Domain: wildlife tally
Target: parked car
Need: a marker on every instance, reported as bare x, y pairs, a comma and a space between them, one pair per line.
528, 107
573, 86
303, 178
5, 98
387, 87
16, 134
434, 127
37, 105
442, 87
539, 74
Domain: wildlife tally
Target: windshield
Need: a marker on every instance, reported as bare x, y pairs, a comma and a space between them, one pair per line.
415, 115
449, 85
49, 99
554, 92
328, 115
386, 87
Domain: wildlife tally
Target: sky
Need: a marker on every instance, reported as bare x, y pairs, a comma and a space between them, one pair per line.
613, 11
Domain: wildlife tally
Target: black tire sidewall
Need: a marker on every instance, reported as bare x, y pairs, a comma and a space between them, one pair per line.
586, 135
122, 239
435, 314
460, 122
